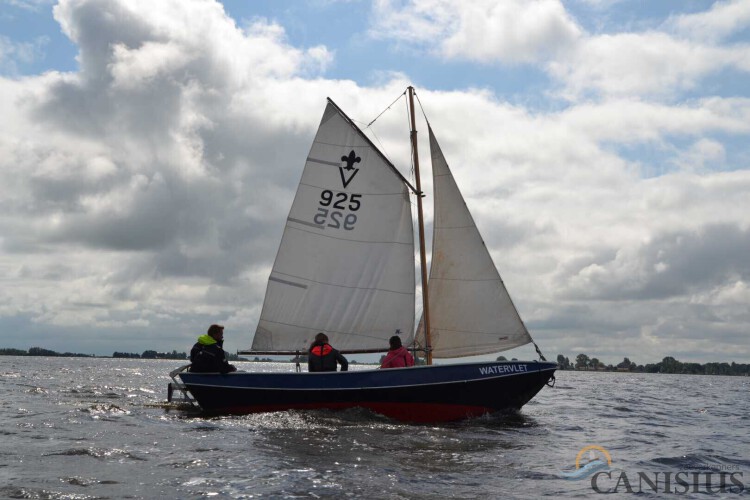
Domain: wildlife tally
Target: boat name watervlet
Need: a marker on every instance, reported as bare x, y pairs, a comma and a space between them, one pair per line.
493, 370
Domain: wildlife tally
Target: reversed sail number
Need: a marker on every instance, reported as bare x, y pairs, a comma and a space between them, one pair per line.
331, 213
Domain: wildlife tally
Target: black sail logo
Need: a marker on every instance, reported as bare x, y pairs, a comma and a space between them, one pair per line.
348, 172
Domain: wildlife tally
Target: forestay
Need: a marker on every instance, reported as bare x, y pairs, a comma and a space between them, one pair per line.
345, 265
470, 309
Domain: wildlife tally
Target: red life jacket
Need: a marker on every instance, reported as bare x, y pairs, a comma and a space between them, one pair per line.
321, 350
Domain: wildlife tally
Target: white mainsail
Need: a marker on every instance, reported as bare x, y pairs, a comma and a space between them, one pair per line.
345, 265
470, 309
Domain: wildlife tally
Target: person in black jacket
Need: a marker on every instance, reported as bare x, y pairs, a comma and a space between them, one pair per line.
323, 358
207, 355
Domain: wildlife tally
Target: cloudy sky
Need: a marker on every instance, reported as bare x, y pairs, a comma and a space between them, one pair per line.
149, 152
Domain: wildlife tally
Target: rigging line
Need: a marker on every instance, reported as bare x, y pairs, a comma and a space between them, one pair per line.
538, 351
386, 109
380, 143
422, 108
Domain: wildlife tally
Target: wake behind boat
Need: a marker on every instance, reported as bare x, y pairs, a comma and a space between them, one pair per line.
345, 266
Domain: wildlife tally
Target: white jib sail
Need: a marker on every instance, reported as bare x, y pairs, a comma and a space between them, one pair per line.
470, 309
345, 265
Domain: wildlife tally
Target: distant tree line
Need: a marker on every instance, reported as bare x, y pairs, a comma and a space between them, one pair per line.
150, 355
38, 351
666, 365
582, 362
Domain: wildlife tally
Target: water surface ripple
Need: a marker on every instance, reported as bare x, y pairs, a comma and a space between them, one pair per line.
100, 428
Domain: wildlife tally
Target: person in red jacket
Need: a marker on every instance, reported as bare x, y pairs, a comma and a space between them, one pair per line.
398, 356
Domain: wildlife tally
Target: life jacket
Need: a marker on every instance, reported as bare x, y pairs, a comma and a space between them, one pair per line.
321, 350
324, 358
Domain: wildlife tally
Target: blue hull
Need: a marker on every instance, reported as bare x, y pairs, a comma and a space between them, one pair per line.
435, 393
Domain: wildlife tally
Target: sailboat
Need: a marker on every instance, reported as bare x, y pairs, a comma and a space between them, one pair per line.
345, 267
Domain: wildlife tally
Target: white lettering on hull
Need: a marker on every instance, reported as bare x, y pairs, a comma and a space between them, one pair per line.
500, 369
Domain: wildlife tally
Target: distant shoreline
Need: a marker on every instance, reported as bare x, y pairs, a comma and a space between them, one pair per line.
174, 355
666, 365
583, 362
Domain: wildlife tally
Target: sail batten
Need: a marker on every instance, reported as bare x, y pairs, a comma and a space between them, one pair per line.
273, 278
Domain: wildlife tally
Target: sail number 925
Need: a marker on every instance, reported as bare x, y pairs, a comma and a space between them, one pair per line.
333, 208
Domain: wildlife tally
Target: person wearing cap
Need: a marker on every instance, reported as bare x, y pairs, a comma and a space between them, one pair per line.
322, 357
207, 355
398, 356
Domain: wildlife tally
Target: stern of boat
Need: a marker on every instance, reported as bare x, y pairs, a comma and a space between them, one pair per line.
177, 391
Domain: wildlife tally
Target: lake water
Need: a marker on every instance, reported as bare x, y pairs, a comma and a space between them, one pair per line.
100, 428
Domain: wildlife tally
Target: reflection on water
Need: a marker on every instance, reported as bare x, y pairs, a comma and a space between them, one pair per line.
95, 428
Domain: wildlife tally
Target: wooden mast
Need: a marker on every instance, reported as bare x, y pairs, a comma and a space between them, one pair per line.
420, 219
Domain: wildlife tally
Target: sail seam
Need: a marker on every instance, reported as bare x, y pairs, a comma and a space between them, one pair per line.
464, 279
453, 227
366, 146
400, 193
379, 338
352, 240
345, 286
506, 336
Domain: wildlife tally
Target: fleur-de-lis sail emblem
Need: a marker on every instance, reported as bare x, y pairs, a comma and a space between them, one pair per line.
348, 172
